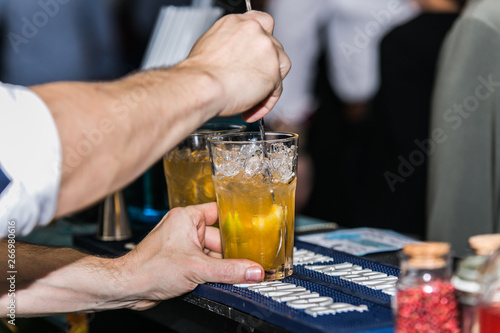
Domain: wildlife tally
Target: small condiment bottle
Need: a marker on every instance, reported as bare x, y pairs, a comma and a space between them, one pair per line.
467, 279
489, 304
425, 298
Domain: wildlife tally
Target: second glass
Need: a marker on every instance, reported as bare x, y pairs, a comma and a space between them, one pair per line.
187, 166
255, 183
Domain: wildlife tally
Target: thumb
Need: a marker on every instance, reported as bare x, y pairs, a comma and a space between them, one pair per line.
232, 271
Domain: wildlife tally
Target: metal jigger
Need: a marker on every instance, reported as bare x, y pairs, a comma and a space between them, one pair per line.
113, 219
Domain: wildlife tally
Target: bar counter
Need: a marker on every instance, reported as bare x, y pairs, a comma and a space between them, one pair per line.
227, 308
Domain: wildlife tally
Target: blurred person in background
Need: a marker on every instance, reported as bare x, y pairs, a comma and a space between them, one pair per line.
397, 165
349, 31
333, 45
464, 171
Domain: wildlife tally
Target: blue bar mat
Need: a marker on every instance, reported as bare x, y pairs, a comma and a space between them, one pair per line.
378, 318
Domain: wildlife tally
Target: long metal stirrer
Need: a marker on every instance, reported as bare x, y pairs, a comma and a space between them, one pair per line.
262, 132
262, 128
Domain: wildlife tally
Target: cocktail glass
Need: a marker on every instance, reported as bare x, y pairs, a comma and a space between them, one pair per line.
255, 183
187, 166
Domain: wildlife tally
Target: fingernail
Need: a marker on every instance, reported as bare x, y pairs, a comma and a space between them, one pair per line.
253, 274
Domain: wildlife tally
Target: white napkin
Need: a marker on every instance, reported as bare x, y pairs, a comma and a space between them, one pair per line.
176, 31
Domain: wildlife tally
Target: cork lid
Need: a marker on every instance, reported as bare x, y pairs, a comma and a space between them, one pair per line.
485, 244
427, 255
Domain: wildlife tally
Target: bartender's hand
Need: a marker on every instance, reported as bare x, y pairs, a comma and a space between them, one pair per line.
180, 253
242, 55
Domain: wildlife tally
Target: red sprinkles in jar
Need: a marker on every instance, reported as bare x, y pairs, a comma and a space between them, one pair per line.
427, 308
425, 299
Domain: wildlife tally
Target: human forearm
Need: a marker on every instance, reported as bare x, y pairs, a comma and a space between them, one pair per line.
50, 281
111, 132
173, 259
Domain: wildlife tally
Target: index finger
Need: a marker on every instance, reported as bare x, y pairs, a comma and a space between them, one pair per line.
212, 239
208, 212
265, 20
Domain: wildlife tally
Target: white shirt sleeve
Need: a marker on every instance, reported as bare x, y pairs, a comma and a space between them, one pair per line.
30, 160
354, 36
350, 30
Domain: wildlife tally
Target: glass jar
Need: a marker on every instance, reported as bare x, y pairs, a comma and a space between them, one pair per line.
425, 298
489, 307
467, 279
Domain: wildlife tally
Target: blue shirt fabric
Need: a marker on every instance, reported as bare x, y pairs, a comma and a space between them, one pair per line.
4, 180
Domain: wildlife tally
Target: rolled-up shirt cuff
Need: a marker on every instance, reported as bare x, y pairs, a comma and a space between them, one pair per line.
30, 161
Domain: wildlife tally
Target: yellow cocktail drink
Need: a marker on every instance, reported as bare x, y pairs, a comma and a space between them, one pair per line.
255, 192
187, 167
255, 228
188, 177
